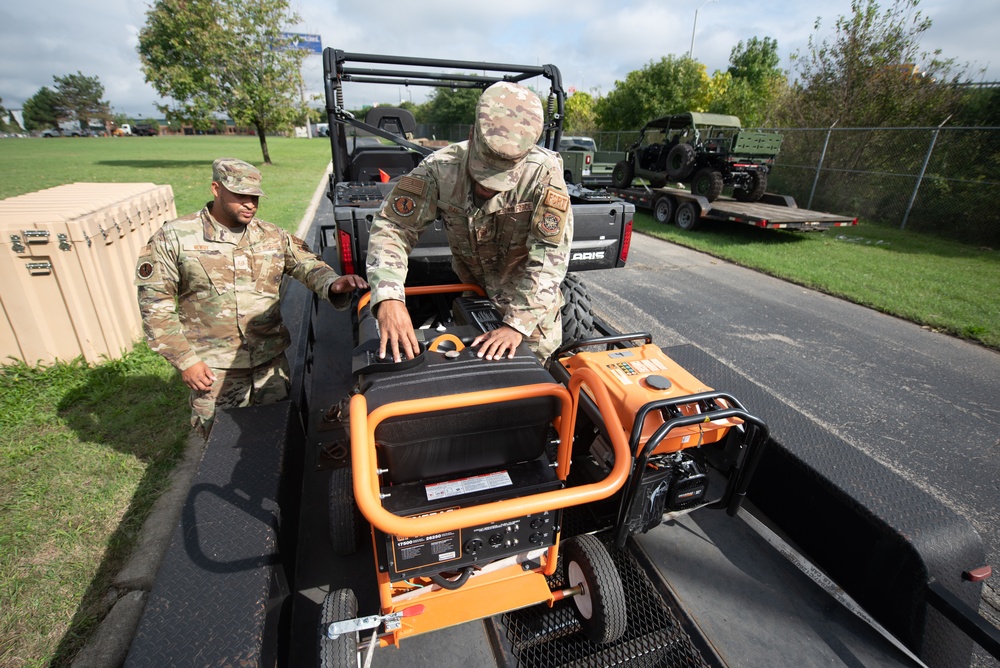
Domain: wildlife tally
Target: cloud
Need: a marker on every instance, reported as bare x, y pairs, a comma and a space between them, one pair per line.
593, 42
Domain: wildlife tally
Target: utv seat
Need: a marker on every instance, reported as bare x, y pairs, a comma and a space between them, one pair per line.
367, 161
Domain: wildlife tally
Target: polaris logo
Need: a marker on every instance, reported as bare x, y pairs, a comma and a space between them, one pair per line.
592, 255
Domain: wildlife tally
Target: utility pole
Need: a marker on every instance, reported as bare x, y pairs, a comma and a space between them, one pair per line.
695, 27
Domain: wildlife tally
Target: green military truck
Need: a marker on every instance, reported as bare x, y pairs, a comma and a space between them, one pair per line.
706, 151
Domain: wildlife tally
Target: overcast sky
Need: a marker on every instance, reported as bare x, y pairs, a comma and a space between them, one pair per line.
593, 42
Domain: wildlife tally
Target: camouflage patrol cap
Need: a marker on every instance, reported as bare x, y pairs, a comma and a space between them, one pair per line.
508, 123
237, 176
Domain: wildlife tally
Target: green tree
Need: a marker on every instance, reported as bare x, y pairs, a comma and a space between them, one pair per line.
668, 86
79, 99
581, 117
450, 106
224, 55
752, 84
3, 117
872, 72
41, 110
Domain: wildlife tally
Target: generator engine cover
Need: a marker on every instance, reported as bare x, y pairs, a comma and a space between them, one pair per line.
637, 376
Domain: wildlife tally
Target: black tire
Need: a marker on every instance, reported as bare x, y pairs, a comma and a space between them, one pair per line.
577, 312
758, 185
338, 606
687, 217
344, 518
680, 161
621, 175
601, 606
568, 176
663, 209
707, 182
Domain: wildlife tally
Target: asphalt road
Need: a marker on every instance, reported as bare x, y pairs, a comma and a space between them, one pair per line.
922, 403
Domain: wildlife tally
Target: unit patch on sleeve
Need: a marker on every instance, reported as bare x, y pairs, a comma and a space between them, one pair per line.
557, 200
403, 205
144, 270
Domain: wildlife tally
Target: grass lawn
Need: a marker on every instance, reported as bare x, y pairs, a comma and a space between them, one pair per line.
84, 451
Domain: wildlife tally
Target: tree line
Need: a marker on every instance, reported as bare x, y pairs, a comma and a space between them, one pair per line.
232, 56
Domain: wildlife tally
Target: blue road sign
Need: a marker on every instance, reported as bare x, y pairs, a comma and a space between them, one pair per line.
310, 43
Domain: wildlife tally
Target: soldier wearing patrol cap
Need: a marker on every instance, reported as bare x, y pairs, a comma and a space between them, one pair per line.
208, 294
507, 213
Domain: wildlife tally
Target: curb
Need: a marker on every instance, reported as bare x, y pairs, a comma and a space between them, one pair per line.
109, 645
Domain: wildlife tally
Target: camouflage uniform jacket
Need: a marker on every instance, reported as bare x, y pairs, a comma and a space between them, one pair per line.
207, 294
516, 247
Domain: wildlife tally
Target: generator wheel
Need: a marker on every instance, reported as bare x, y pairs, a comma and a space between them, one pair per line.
663, 209
338, 606
601, 606
577, 312
621, 175
344, 518
686, 217
758, 185
707, 182
680, 161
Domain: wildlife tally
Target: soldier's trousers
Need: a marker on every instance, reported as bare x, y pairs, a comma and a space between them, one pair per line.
267, 383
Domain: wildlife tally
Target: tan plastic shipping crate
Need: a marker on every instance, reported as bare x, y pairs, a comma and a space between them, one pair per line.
67, 261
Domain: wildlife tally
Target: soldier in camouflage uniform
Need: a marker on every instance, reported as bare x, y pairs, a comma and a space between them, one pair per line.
507, 212
208, 293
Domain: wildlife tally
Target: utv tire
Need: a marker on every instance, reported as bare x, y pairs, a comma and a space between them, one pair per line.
621, 175
680, 161
663, 209
344, 518
568, 177
687, 217
601, 606
758, 185
338, 606
707, 182
577, 312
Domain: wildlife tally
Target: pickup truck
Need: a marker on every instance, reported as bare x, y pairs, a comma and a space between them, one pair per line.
362, 177
138, 130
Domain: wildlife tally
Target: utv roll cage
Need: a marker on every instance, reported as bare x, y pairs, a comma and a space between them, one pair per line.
395, 124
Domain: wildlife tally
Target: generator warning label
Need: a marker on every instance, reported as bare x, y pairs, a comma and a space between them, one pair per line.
624, 371
479, 483
422, 551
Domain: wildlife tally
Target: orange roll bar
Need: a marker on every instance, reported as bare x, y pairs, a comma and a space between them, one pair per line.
366, 484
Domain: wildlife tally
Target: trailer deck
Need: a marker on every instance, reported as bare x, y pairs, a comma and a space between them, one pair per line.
772, 211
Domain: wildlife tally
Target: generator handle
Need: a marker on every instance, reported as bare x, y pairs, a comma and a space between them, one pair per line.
640, 417
601, 341
366, 480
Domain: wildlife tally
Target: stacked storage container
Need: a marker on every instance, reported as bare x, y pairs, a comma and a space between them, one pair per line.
67, 261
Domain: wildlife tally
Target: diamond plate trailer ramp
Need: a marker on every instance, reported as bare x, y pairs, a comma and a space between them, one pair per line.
251, 560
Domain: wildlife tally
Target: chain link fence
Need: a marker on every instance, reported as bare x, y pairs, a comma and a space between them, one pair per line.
939, 181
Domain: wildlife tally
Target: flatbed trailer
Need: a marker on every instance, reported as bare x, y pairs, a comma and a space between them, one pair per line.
688, 211
251, 561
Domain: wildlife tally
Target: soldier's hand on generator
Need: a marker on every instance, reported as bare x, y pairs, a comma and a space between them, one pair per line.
395, 329
495, 343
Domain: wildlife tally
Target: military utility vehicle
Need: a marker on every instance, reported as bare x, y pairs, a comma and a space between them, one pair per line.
707, 151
